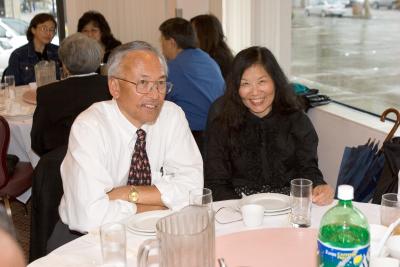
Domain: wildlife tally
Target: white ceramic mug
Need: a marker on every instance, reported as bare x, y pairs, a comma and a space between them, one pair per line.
253, 214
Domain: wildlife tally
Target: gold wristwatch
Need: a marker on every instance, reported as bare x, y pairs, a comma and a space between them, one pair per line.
133, 195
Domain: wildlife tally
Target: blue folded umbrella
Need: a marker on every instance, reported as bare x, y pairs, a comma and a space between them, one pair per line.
361, 167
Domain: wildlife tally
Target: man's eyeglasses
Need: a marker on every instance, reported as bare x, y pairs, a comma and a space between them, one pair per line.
144, 87
45, 29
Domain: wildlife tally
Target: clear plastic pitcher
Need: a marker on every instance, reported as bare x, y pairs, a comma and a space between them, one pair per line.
45, 72
185, 238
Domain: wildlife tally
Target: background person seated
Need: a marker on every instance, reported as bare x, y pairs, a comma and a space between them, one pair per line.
261, 139
211, 39
195, 75
59, 103
132, 154
40, 32
94, 25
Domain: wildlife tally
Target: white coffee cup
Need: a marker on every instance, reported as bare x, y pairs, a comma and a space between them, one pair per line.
383, 262
253, 214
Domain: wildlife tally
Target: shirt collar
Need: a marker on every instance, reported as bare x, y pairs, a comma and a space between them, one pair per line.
128, 128
81, 75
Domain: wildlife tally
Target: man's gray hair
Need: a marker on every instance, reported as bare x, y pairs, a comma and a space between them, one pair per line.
114, 62
80, 54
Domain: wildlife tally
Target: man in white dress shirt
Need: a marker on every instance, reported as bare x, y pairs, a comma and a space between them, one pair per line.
102, 141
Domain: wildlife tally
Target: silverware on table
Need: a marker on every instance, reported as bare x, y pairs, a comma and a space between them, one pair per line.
221, 262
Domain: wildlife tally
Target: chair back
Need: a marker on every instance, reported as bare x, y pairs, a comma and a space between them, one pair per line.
4, 142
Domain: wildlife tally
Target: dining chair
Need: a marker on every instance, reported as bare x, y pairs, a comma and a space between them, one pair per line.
47, 191
20, 180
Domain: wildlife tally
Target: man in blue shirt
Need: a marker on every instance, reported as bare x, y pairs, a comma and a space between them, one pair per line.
196, 77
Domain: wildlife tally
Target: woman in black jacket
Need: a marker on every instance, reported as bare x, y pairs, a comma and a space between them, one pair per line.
260, 140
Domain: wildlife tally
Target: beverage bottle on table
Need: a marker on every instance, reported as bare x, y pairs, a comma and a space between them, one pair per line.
343, 238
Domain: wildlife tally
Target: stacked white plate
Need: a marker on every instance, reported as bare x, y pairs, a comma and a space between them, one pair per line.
274, 203
145, 223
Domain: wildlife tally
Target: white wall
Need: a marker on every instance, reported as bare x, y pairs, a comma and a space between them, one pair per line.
260, 22
129, 19
136, 19
191, 8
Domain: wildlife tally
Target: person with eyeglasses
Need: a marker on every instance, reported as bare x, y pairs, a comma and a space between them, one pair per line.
131, 154
40, 33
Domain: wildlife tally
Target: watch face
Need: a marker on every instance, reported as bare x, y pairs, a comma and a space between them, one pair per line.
133, 196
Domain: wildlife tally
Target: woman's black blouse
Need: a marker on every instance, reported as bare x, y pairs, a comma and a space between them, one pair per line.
268, 153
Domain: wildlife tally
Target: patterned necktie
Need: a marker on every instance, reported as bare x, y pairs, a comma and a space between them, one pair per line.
140, 173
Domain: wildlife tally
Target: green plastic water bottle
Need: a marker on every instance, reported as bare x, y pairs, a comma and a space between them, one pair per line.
343, 239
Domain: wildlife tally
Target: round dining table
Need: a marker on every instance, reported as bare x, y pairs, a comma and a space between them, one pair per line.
284, 241
18, 112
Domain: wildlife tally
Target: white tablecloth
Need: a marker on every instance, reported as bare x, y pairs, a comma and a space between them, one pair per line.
85, 251
20, 130
20, 141
20, 136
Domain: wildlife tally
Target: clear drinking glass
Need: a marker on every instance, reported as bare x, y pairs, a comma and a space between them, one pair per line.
113, 245
10, 88
390, 210
301, 201
201, 197
3, 87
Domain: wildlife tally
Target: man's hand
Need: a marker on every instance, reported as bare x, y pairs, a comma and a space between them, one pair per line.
322, 195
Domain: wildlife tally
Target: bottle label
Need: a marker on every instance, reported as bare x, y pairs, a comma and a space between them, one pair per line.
330, 256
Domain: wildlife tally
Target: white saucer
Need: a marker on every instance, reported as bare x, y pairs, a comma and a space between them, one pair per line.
272, 202
145, 223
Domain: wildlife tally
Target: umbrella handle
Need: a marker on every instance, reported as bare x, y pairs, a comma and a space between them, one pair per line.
396, 124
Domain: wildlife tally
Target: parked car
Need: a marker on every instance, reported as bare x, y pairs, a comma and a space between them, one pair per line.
325, 8
386, 3
5, 52
12, 36
14, 30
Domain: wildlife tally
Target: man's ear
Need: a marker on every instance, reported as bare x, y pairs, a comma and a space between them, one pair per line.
173, 43
113, 86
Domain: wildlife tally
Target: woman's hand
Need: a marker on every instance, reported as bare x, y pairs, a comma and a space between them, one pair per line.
322, 194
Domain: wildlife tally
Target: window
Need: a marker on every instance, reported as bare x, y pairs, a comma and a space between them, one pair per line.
349, 53
16, 16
